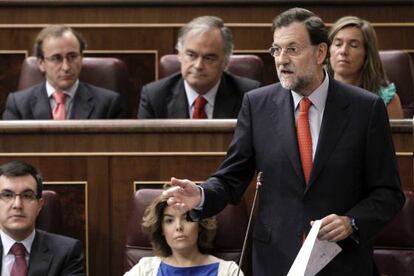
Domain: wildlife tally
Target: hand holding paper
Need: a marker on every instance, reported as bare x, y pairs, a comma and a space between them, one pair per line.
314, 254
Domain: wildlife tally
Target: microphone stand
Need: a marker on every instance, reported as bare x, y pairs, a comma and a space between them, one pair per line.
259, 180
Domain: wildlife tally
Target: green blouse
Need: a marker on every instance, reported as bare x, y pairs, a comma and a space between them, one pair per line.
387, 92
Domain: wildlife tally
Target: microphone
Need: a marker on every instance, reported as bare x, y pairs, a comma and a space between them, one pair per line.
259, 181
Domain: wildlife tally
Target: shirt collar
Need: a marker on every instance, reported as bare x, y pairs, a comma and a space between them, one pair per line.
8, 242
317, 97
70, 92
210, 96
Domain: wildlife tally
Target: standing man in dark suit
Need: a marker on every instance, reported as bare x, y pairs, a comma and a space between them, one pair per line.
344, 172
62, 96
23, 248
203, 89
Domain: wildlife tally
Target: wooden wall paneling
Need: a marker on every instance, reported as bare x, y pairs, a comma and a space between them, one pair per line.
405, 168
177, 13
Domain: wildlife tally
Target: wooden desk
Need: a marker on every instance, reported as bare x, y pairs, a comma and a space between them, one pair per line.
96, 165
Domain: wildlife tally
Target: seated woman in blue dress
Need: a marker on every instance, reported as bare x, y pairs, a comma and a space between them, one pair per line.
181, 246
354, 59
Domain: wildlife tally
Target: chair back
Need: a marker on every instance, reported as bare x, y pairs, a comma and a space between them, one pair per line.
105, 72
394, 247
50, 217
248, 66
399, 68
232, 224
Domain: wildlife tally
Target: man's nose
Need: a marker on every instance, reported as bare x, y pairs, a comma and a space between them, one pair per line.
199, 62
17, 202
283, 58
65, 64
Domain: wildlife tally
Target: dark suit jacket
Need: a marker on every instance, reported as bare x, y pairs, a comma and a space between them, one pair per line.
90, 102
354, 174
54, 255
166, 98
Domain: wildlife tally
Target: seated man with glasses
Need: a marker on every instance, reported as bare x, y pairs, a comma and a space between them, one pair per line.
62, 96
24, 249
202, 89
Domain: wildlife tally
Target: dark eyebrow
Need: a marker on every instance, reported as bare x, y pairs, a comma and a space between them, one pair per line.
24, 191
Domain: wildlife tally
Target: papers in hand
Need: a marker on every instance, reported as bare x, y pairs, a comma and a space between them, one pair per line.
314, 254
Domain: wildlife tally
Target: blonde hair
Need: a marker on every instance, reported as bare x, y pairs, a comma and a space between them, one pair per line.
372, 74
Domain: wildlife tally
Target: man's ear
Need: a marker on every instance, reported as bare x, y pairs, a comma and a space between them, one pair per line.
41, 204
41, 64
322, 53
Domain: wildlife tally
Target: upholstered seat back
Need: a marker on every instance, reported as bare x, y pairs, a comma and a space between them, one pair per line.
249, 66
50, 217
109, 73
394, 247
399, 68
232, 224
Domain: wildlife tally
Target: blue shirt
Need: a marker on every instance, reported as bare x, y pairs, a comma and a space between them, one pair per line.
202, 270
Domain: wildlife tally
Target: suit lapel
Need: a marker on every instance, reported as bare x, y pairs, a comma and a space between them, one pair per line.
40, 103
284, 120
335, 119
177, 107
40, 256
83, 104
225, 101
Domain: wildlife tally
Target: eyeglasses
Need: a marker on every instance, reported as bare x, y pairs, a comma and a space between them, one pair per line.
58, 59
190, 56
26, 196
292, 51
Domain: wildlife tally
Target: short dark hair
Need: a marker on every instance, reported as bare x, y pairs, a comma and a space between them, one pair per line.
318, 32
56, 31
152, 225
20, 168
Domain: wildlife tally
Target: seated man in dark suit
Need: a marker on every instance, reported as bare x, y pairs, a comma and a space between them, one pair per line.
62, 96
203, 89
23, 248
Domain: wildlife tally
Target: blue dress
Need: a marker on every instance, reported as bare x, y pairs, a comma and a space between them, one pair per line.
202, 270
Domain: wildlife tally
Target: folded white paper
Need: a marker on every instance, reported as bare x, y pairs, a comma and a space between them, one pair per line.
314, 254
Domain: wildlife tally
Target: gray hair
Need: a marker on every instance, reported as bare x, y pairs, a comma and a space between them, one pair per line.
203, 24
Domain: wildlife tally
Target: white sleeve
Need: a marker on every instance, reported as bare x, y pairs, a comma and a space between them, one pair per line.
229, 268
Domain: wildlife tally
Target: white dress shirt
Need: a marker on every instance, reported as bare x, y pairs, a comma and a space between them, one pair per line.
315, 115
210, 96
7, 256
70, 94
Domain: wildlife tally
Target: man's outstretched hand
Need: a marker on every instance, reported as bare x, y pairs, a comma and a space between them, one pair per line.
184, 195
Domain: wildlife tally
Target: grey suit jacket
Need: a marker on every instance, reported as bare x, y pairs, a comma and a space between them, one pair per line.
54, 255
166, 98
90, 102
354, 174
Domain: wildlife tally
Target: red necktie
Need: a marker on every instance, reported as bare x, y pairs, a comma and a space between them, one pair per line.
59, 110
19, 267
198, 112
304, 137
